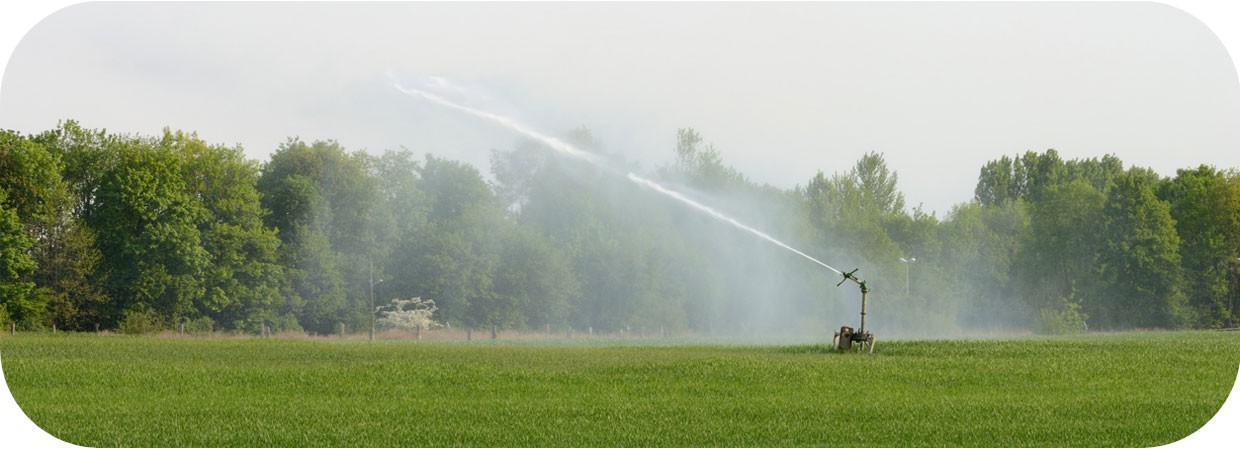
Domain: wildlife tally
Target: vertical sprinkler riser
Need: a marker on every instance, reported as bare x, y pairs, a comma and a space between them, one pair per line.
864, 290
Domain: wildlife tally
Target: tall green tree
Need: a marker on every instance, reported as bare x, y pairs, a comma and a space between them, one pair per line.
70, 275
619, 239
1038, 173
701, 165
401, 206
86, 156
453, 260
1205, 204
980, 246
315, 292
858, 215
31, 177
1027, 177
535, 279
18, 301
241, 284
320, 198
146, 220
1140, 259
1059, 261
1101, 173
66, 252
997, 182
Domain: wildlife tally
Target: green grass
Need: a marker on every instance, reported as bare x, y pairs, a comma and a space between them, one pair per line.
1129, 390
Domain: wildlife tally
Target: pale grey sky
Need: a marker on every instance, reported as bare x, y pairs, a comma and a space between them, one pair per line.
781, 90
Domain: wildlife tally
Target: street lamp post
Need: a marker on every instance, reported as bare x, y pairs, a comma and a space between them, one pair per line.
1231, 299
373, 282
907, 262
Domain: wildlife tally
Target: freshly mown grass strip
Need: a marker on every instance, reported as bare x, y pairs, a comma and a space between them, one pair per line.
1130, 390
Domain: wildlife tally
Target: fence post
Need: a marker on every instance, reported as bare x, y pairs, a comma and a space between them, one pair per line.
182, 328
492, 332
12, 328
469, 333
417, 332
570, 332
590, 330
548, 329
96, 328
53, 328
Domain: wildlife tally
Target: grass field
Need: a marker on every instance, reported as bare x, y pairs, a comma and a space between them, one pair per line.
1129, 390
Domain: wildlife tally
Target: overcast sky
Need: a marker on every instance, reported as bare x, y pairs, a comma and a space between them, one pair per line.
781, 90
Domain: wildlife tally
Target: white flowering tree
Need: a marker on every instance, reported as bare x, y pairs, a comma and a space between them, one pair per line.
408, 314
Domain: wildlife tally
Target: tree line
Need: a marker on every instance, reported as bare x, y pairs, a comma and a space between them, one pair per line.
102, 230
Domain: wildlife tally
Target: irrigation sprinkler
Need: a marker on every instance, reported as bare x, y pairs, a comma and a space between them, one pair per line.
845, 338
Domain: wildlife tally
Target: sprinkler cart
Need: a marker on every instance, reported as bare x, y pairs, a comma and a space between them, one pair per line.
845, 338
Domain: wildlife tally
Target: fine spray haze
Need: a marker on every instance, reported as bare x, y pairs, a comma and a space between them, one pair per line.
567, 149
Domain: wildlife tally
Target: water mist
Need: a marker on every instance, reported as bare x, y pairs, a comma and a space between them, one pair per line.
567, 149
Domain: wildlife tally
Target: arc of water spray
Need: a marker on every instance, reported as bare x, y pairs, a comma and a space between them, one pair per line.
720, 216
556, 144
566, 148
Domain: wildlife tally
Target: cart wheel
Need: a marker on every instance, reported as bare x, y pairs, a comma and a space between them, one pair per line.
871, 342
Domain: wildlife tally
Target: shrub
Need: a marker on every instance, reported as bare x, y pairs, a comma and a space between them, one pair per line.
201, 325
286, 323
408, 314
1064, 318
140, 319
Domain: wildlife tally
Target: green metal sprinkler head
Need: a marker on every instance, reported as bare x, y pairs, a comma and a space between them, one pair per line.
850, 276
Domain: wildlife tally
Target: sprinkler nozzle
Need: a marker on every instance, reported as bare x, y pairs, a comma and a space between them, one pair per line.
850, 276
